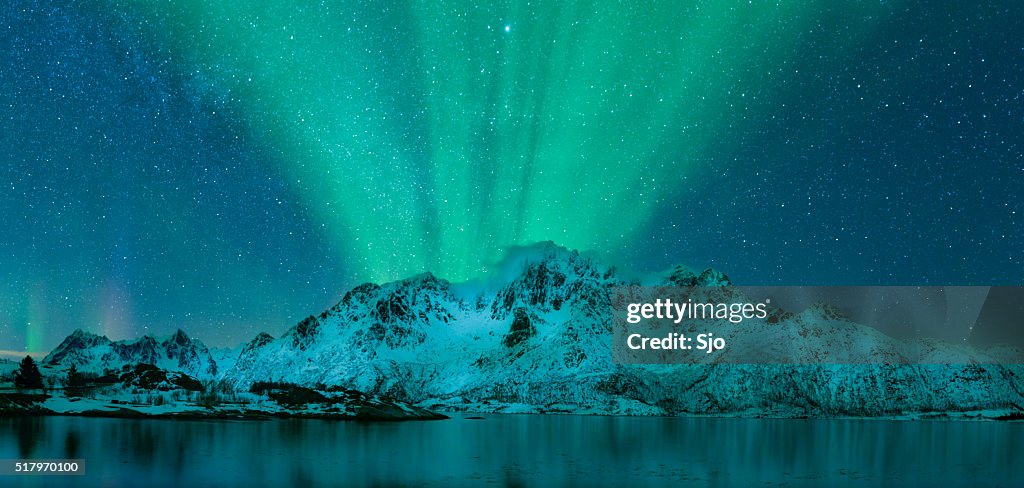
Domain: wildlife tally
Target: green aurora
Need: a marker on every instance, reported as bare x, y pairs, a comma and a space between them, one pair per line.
433, 135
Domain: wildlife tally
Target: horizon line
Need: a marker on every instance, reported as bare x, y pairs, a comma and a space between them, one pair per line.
11, 354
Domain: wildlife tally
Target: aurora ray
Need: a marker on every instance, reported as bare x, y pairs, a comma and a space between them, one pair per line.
430, 137
230, 167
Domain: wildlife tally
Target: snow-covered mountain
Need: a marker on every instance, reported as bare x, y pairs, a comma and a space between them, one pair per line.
7, 368
224, 357
541, 341
538, 338
96, 354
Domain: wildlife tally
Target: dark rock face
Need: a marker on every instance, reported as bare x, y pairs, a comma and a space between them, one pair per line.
96, 353
559, 277
712, 277
360, 294
289, 394
187, 352
142, 350
305, 332
414, 300
521, 330
828, 311
259, 341
356, 405
683, 277
397, 313
392, 309
776, 315
70, 349
15, 404
149, 377
251, 350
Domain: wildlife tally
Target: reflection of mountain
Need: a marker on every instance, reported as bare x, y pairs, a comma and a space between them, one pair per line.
540, 340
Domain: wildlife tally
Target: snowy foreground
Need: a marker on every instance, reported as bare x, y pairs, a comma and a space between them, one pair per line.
535, 339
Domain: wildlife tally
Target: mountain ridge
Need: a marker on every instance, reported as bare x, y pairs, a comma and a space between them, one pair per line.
538, 340
96, 353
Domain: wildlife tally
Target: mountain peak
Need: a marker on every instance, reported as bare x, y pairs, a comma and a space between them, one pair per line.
91, 352
682, 276
713, 277
68, 348
179, 337
424, 281
260, 340
84, 334
519, 257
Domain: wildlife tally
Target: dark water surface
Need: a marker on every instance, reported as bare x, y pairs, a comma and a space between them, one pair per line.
521, 450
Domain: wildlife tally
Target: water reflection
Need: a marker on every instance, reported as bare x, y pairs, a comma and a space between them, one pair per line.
512, 451
71, 443
28, 432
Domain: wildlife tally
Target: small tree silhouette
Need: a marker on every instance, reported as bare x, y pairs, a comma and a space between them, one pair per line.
75, 379
28, 375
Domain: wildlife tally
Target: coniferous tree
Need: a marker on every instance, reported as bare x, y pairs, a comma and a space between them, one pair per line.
75, 379
28, 375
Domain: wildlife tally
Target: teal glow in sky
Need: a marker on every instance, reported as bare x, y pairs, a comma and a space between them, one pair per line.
231, 167
430, 136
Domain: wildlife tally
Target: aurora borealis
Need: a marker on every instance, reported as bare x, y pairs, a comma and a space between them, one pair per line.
229, 167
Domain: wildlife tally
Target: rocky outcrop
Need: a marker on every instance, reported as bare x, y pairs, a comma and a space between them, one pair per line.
521, 329
98, 354
148, 377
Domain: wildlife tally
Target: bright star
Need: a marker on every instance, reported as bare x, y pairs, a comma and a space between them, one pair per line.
508, 28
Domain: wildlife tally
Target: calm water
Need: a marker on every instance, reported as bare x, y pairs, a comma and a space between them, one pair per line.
521, 450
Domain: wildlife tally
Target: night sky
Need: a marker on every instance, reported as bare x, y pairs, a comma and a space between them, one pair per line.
229, 168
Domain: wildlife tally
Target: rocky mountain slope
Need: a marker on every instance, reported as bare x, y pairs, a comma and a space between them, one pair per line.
97, 354
541, 341
538, 338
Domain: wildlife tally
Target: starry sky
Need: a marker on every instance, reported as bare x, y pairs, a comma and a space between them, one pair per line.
231, 167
